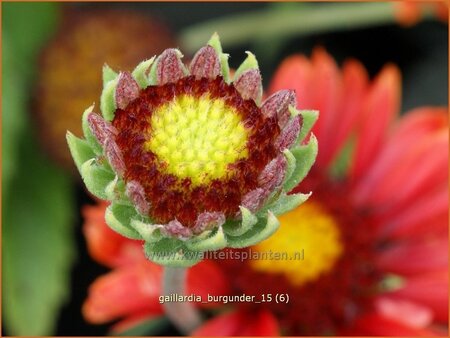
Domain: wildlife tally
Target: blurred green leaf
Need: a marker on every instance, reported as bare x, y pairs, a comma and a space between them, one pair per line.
28, 24
37, 244
267, 55
37, 202
25, 26
13, 106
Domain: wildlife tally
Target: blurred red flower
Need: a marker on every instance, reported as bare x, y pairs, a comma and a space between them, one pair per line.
374, 232
409, 13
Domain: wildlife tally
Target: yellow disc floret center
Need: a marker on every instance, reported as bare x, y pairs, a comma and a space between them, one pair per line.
309, 242
197, 137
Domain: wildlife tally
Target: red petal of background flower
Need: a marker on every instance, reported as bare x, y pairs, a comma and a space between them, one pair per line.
402, 174
410, 314
207, 278
132, 321
420, 122
411, 171
377, 325
413, 126
380, 109
104, 245
124, 291
415, 258
295, 72
428, 289
355, 84
320, 85
407, 13
261, 323
327, 89
427, 215
430, 171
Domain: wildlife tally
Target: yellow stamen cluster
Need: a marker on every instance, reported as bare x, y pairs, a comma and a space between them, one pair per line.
310, 230
197, 137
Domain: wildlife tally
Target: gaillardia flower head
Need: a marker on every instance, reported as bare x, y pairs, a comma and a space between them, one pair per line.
191, 160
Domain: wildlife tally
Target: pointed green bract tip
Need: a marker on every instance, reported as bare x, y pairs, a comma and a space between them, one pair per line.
239, 228
214, 42
118, 218
149, 232
249, 63
142, 73
305, 156
265, 227
80, 149
108, 101
309, 118
108, 74
88, 135
215, 241
291, 164
96, 178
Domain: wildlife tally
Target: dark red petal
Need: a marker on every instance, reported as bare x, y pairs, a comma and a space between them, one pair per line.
126, 91
289, 134
253, 200
114, 156
249, 84
208, 220
278, 104
175, 229
100, 128
205, 63
169, 67
136, 194
273, 174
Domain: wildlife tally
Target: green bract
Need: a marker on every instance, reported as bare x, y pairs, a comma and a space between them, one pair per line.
113, 167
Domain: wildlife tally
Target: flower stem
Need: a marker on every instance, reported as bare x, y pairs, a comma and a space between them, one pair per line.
296, 21
182, 314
